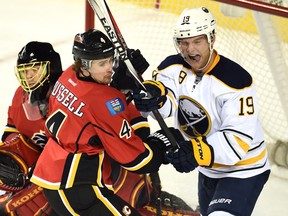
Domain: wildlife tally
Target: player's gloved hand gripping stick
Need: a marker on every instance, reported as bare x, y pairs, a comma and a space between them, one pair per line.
108, 22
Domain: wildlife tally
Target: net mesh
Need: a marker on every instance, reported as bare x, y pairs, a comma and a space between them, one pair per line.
257, 41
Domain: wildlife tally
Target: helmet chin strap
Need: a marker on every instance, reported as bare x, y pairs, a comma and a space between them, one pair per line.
89, 74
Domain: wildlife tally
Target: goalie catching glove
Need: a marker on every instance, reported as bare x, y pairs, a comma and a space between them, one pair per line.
17, 155
12, 172
191, 154
155, 100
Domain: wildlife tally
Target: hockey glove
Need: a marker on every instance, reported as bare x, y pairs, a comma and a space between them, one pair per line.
191, 155
138, 61
122, 78
158, 97
12, 172
160, 140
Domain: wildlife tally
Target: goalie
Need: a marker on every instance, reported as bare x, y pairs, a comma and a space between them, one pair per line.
38, 68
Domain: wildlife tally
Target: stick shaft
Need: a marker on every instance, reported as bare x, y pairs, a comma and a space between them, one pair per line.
108, 22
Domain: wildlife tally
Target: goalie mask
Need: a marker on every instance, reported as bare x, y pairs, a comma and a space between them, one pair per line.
195, 22
38, 68
91, 45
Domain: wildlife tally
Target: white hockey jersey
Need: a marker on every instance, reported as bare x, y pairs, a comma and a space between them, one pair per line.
221, 105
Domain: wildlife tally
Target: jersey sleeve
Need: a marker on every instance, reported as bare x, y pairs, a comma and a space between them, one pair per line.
118, 136
139, 123
239, 116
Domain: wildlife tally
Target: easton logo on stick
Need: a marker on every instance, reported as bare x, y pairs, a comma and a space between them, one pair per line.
114, 39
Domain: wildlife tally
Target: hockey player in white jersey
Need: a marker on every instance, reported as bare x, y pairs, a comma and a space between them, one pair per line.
213, 101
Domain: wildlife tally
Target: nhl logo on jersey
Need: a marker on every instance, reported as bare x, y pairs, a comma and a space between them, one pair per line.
193, 119
115, 106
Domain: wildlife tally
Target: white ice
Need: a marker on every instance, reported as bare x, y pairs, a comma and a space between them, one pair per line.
57, 22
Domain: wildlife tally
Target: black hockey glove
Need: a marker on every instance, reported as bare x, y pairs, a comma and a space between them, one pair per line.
158, 97
122, 79
191, 155
160, 140
138, 61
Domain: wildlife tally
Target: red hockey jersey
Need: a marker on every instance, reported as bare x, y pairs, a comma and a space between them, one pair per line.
88, 124
18, 119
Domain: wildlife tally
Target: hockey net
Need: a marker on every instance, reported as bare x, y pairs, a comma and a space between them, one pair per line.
258, 41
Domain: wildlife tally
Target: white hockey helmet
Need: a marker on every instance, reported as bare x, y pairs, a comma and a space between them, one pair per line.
194, 22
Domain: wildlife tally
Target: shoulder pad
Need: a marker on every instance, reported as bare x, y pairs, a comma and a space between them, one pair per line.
231, 73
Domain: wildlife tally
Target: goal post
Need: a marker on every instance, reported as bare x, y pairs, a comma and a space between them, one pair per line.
253, 33
273, 7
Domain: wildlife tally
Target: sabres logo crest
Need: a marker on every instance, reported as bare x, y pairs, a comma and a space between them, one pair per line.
193, 118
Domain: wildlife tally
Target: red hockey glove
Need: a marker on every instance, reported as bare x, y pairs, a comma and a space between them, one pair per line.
158, 96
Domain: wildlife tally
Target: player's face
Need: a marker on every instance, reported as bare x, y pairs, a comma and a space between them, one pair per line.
195, 50
101, 70
32, 75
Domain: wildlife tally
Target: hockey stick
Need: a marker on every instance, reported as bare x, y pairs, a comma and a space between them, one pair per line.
108, 22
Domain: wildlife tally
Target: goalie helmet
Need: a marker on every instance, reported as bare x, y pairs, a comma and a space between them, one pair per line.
37, 70
91, 45
40, 57
194, 22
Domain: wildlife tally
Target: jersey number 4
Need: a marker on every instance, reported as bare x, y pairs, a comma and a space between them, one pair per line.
55, 121
125, 130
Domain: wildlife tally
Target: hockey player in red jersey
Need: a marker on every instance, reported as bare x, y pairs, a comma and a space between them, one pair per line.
38, 67
214, 104
88, 126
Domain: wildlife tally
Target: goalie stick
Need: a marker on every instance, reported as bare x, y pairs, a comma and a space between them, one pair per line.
108, 22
